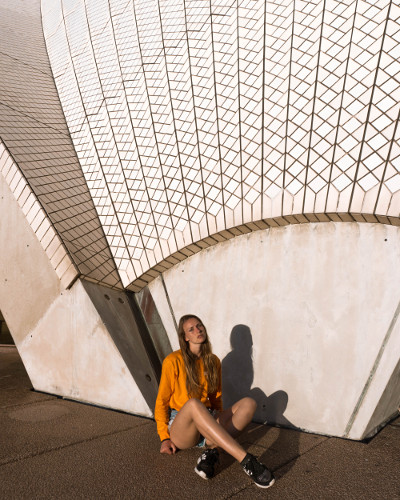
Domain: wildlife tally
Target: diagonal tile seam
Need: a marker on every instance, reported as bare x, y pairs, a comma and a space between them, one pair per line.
59, 132
27, 456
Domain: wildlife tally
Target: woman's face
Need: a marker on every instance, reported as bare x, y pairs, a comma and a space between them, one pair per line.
195, 333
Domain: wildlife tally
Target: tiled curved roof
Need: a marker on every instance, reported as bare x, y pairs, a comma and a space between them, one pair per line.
33, 128
194, 121
37, 218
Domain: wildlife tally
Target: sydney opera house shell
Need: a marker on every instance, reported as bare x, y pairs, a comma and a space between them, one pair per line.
239, 160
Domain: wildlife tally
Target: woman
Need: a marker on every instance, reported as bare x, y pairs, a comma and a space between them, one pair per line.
189, 410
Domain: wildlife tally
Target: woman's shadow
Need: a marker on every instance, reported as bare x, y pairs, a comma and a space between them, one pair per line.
237, 381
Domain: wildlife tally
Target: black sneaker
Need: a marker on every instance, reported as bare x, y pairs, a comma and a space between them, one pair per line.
257, 471
206, 463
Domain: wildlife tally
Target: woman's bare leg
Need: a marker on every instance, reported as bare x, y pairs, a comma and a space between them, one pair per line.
236, 418
194, 419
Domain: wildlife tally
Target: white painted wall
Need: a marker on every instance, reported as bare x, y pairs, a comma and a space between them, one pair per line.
318, 300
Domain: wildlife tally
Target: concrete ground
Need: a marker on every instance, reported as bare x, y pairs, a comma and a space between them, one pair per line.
54, 448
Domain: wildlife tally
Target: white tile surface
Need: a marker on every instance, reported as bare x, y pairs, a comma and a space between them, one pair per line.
190, 118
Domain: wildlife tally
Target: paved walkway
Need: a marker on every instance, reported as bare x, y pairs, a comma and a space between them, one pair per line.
59, 449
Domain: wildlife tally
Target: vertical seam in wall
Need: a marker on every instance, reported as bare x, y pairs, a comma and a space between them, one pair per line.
373, 371
169, 302
75, 340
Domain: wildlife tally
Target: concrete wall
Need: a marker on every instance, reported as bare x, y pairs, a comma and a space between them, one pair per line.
64, 344
303, 317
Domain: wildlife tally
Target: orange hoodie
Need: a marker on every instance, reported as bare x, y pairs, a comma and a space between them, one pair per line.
172, 392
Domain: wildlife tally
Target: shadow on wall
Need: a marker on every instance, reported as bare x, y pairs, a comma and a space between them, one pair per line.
237, 381
238, 376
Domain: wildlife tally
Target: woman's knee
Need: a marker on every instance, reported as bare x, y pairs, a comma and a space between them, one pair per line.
249, 404
192, 404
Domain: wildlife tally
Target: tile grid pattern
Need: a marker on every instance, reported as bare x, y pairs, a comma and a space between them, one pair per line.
33, 128
37, 219
196, 121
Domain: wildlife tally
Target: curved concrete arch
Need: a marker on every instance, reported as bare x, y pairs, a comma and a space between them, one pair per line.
191, 122
315, 309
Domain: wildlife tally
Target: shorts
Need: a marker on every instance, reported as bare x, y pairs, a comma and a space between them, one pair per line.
202, 440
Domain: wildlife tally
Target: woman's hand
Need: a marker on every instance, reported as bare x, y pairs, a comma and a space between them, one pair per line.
168, 447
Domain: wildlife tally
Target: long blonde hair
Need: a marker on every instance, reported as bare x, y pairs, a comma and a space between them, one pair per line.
193, 385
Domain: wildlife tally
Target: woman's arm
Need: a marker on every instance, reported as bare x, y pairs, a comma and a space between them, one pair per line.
168, 447
161, 410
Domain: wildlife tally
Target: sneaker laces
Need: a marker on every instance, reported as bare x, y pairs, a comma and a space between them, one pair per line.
254, 468
210, 455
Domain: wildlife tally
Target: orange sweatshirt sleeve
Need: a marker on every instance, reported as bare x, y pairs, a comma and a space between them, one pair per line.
165, 390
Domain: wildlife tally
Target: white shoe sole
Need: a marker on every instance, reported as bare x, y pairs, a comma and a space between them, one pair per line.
267, 486
201, 473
